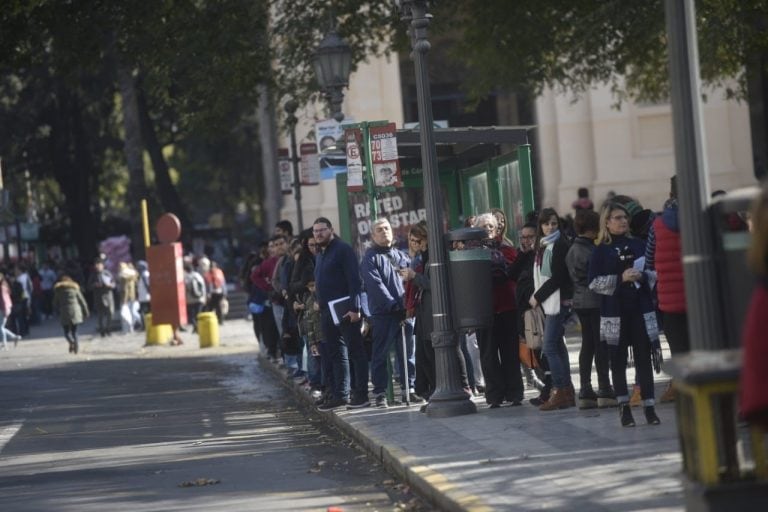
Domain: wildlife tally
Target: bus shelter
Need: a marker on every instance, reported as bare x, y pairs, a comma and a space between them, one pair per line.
479, 168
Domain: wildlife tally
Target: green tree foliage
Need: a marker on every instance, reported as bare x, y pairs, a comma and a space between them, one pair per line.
196, 65
573, 44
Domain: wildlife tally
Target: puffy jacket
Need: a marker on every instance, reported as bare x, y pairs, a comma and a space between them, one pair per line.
577, 261
669, 265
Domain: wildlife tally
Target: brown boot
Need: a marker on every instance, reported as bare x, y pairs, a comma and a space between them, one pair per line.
636, 398
571, 395
558, 399
669, 394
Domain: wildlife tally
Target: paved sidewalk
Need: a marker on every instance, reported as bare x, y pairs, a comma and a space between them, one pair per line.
518, 458
511, 458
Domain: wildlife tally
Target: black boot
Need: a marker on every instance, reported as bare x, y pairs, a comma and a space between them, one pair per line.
71, 347
625, 414
606, 397
650, 415
587, 397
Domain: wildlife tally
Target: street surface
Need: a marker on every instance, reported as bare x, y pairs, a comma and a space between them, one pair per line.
126, 427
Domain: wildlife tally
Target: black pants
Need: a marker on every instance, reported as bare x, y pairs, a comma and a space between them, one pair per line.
425, 368
676, 331
265, 329
633, 335
70, 332
214, 304
500, 359
193, 308
592, 348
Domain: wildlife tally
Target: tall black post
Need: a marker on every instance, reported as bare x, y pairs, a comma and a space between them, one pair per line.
291, 120
699, 269
449, 399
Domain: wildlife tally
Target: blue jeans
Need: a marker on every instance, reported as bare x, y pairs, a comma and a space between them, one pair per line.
386, 330
345, 348
554, 349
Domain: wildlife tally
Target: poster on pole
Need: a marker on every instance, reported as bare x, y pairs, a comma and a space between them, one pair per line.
284, 170
384, 158
353, 138
309, 166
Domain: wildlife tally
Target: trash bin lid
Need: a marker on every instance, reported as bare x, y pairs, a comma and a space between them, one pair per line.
465, 234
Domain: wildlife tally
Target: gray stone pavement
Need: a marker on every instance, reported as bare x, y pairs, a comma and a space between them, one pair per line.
518, 458
511, 458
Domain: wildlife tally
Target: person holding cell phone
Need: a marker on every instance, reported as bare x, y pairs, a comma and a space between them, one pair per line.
627, 316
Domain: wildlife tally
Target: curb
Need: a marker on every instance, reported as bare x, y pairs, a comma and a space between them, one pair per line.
430, 484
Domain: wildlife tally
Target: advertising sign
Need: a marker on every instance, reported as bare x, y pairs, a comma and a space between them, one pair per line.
284, 168
353, 138
309, 167
403, 207
384, 158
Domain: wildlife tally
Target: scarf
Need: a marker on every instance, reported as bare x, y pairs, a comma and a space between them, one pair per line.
545, 261
605, 277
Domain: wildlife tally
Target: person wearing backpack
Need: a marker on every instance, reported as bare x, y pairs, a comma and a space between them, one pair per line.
194, 287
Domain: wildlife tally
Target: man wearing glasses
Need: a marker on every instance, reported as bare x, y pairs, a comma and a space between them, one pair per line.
337, 275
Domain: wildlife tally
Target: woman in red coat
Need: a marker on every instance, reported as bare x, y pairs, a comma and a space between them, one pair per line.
754, 398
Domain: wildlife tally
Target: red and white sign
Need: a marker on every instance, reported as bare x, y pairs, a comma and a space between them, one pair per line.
355, 170
383, 147
309, 167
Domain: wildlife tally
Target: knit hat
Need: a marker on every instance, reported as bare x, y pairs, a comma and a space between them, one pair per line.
633, 208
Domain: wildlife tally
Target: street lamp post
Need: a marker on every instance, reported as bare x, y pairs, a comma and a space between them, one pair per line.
290, 109
332, 61
449, 399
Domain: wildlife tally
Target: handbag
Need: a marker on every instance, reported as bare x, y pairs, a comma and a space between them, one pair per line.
533, 320
224, 304
527, 355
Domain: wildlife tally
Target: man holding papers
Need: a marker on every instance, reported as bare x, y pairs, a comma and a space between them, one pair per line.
337, 276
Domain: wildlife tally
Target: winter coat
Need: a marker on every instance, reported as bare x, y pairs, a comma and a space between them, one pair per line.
424, 321
668, 261
560, 279
383, 284
69, 303
577, 261
101, 284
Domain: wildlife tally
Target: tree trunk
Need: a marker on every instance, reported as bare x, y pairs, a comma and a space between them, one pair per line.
272, 200
133, 155
76, 178
169, 196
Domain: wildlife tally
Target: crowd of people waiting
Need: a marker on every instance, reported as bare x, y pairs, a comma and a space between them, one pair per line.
332, 319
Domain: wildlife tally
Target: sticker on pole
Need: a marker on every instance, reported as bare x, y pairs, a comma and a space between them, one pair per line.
353, 138
384, 158
284, 170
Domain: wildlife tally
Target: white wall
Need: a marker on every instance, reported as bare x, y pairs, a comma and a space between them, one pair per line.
589, 143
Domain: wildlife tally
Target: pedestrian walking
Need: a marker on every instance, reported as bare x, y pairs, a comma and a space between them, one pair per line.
71, 308
194, 289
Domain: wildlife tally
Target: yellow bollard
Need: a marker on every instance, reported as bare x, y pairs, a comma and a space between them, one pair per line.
208, 329
157, 334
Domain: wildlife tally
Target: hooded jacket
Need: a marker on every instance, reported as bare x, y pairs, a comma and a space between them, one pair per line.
69, 303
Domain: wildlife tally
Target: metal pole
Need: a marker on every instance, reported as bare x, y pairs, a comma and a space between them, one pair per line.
449, 399
291, 120
702, 294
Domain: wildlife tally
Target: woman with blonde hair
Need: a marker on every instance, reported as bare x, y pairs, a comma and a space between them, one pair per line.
627, 316
754, 399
